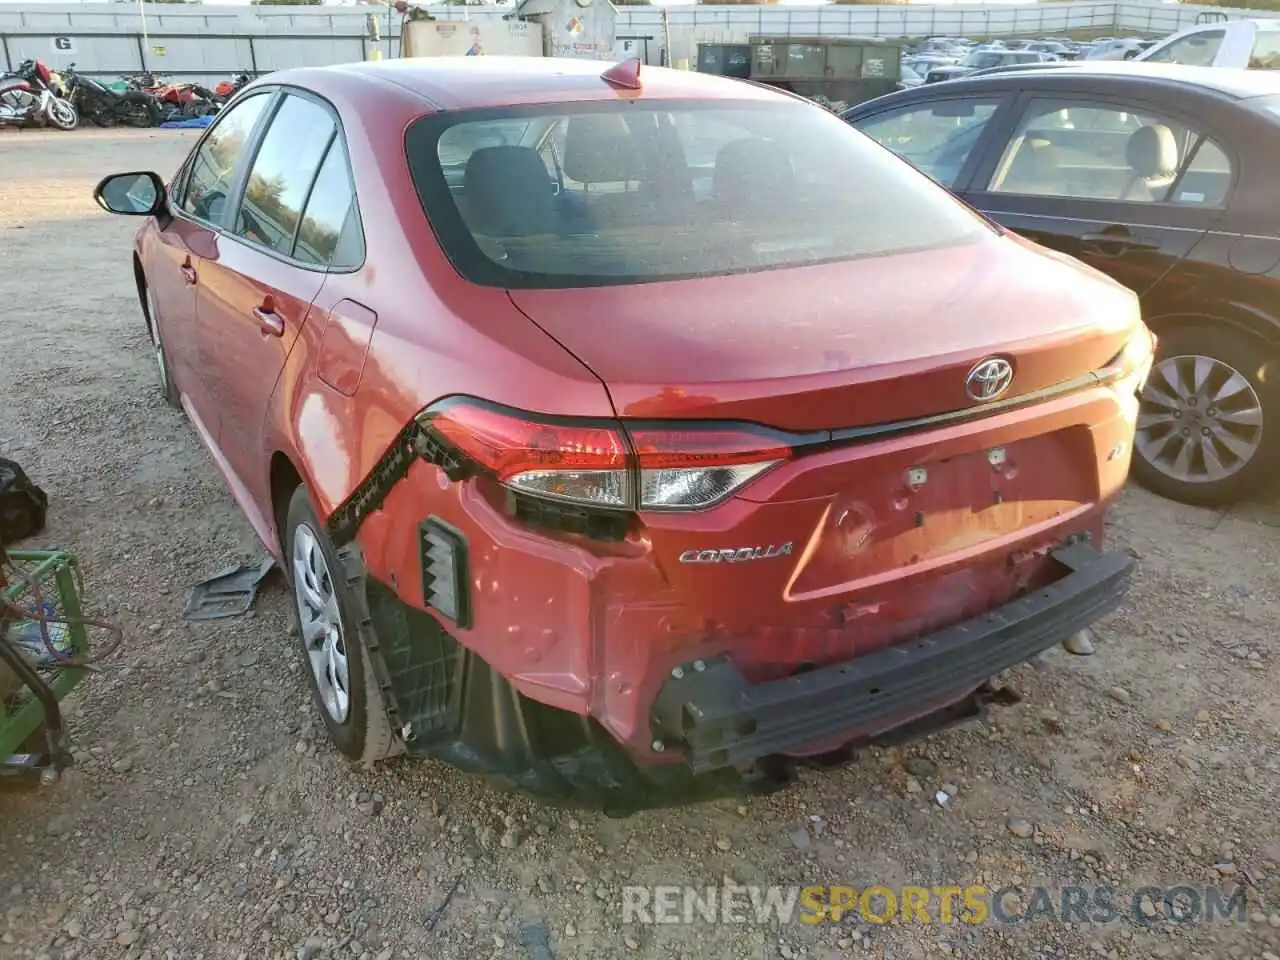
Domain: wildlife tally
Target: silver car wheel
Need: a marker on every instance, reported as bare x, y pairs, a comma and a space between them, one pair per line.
320, 620
1200, 420
157, 348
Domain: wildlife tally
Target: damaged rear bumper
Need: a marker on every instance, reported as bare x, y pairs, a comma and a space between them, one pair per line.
718, 720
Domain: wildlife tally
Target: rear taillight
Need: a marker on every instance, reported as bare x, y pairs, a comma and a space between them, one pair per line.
604, 463
1128, 370
684, 469
560, 459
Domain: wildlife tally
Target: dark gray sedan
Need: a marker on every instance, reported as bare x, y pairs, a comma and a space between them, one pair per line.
1164, 178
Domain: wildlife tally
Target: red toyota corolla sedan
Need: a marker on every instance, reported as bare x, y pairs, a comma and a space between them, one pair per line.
629, 434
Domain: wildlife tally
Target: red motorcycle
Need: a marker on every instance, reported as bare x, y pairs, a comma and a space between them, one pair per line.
180, 101
227, 89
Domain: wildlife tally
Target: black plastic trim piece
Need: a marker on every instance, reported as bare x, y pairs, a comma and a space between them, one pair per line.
720, 720
413, 442
878, 431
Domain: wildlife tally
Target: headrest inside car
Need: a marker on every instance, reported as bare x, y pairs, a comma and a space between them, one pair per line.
599, 148
1152, 152
509, 192
753, 171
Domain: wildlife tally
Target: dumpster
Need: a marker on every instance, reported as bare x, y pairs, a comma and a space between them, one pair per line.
725, 59
835, 71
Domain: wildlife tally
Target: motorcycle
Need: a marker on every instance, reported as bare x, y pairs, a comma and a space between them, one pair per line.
178, 101
106, 107
227, 89
31, 96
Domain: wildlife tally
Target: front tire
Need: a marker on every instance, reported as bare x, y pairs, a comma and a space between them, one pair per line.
1209, 423
167, 388
342, 681
63, 115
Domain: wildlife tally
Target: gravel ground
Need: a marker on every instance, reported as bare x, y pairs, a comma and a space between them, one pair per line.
206, 817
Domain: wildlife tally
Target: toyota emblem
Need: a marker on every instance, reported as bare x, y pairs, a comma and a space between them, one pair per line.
989, 378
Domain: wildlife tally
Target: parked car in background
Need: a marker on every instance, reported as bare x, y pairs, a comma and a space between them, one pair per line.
1051, 47
1126, 49
924, 63
984, 60
941, 46
1244, 44
1163, 178
506, 362
907, 77
1019, 67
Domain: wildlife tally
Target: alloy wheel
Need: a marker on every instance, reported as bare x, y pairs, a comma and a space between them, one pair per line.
157, 347
64, 114
320, 620
1200, 419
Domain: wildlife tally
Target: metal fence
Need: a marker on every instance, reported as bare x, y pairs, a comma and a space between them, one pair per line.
206, 43
200, 57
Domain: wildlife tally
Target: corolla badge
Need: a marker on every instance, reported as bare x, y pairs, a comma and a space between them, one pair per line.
737, 554
989, 378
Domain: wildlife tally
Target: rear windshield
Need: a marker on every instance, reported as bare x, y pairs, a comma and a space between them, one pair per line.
588, 194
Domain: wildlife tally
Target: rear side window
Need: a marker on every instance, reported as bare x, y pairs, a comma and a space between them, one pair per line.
629, 192
1194, 50
1266, 50
1105, 151
330, 234
282, 173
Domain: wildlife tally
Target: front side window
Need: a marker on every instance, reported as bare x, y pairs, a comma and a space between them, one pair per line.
629, 192
936, 137
282, 173
1193, 50
1093, 151
211, 174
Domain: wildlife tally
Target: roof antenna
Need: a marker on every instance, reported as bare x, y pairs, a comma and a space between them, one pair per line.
625, 74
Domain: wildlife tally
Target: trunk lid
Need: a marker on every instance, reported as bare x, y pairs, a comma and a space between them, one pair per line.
849, 547
840, 345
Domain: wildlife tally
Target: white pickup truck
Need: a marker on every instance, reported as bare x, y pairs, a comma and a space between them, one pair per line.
1251, 44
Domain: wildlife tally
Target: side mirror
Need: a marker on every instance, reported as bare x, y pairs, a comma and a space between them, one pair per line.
131, 194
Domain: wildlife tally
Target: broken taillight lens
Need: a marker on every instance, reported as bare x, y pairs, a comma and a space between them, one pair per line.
1128, 370
650, 466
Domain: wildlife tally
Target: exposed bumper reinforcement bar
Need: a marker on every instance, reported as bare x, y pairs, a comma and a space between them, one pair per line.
720, 720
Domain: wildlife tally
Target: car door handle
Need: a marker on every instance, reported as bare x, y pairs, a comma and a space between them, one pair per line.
270, 321
189, 274
1122, 241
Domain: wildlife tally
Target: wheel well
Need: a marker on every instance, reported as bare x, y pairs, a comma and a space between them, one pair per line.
140, 280
1176, 321
284, 480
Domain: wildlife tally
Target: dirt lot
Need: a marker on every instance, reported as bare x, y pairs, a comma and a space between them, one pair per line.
207, 819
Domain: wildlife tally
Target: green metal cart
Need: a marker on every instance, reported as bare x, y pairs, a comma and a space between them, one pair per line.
43, 639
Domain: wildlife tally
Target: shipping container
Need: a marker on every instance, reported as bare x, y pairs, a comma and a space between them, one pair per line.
725, 59
836, 71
